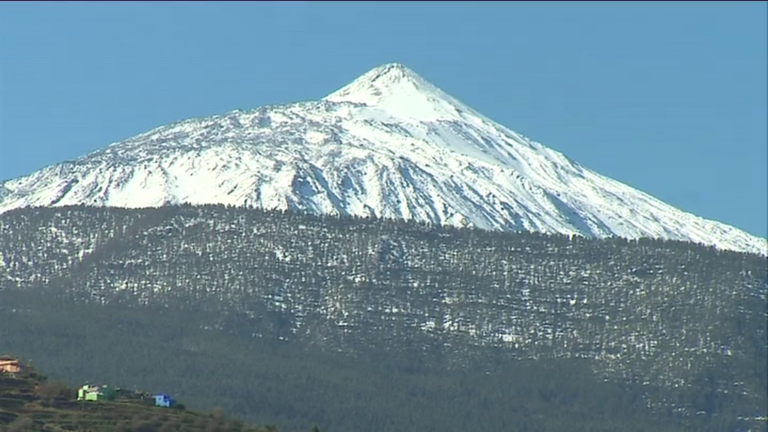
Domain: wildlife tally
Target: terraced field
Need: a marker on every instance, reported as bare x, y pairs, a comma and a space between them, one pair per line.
29, 402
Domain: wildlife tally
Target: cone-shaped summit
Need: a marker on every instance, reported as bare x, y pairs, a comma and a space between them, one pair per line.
388, 144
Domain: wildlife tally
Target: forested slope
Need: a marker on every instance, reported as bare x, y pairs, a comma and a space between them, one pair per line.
371, 323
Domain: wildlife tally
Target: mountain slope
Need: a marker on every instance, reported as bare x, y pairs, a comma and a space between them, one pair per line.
388, 145
30, 402
262, 302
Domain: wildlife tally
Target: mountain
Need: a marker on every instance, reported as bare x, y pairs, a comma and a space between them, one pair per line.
389, 145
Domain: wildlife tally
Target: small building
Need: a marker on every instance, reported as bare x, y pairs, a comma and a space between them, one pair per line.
95, 393
9, 365
163, 400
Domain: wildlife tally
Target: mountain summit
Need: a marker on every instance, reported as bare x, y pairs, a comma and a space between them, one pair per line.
400, 92
389, 144
381, 82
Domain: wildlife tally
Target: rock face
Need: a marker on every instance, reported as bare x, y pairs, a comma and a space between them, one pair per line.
389, 145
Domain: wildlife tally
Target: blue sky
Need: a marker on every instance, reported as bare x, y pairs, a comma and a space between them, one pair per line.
667, 97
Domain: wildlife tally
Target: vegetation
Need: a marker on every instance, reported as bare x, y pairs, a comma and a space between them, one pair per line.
30, 402
292, 320
295, 387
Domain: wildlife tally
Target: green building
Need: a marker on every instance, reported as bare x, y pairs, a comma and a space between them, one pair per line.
95, 393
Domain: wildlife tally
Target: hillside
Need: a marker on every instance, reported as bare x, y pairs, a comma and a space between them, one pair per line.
30, 402
381, 324
294, 386
387, 145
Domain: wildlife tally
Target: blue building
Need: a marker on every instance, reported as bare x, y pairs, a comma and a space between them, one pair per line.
163, 400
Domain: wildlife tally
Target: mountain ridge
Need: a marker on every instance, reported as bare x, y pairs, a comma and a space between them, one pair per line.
389, 144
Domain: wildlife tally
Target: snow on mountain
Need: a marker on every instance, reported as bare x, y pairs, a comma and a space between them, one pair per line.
389, 144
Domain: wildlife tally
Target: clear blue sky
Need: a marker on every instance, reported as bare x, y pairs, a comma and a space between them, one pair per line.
669, 98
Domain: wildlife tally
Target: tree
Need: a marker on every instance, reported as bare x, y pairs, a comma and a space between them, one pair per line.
218, 414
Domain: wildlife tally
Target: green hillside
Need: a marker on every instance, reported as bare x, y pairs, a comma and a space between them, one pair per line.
30, 402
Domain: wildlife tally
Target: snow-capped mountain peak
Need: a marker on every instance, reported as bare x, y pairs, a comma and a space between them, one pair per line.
402, 93
389, 144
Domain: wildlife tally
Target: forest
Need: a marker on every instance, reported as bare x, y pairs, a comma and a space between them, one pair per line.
363, 324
